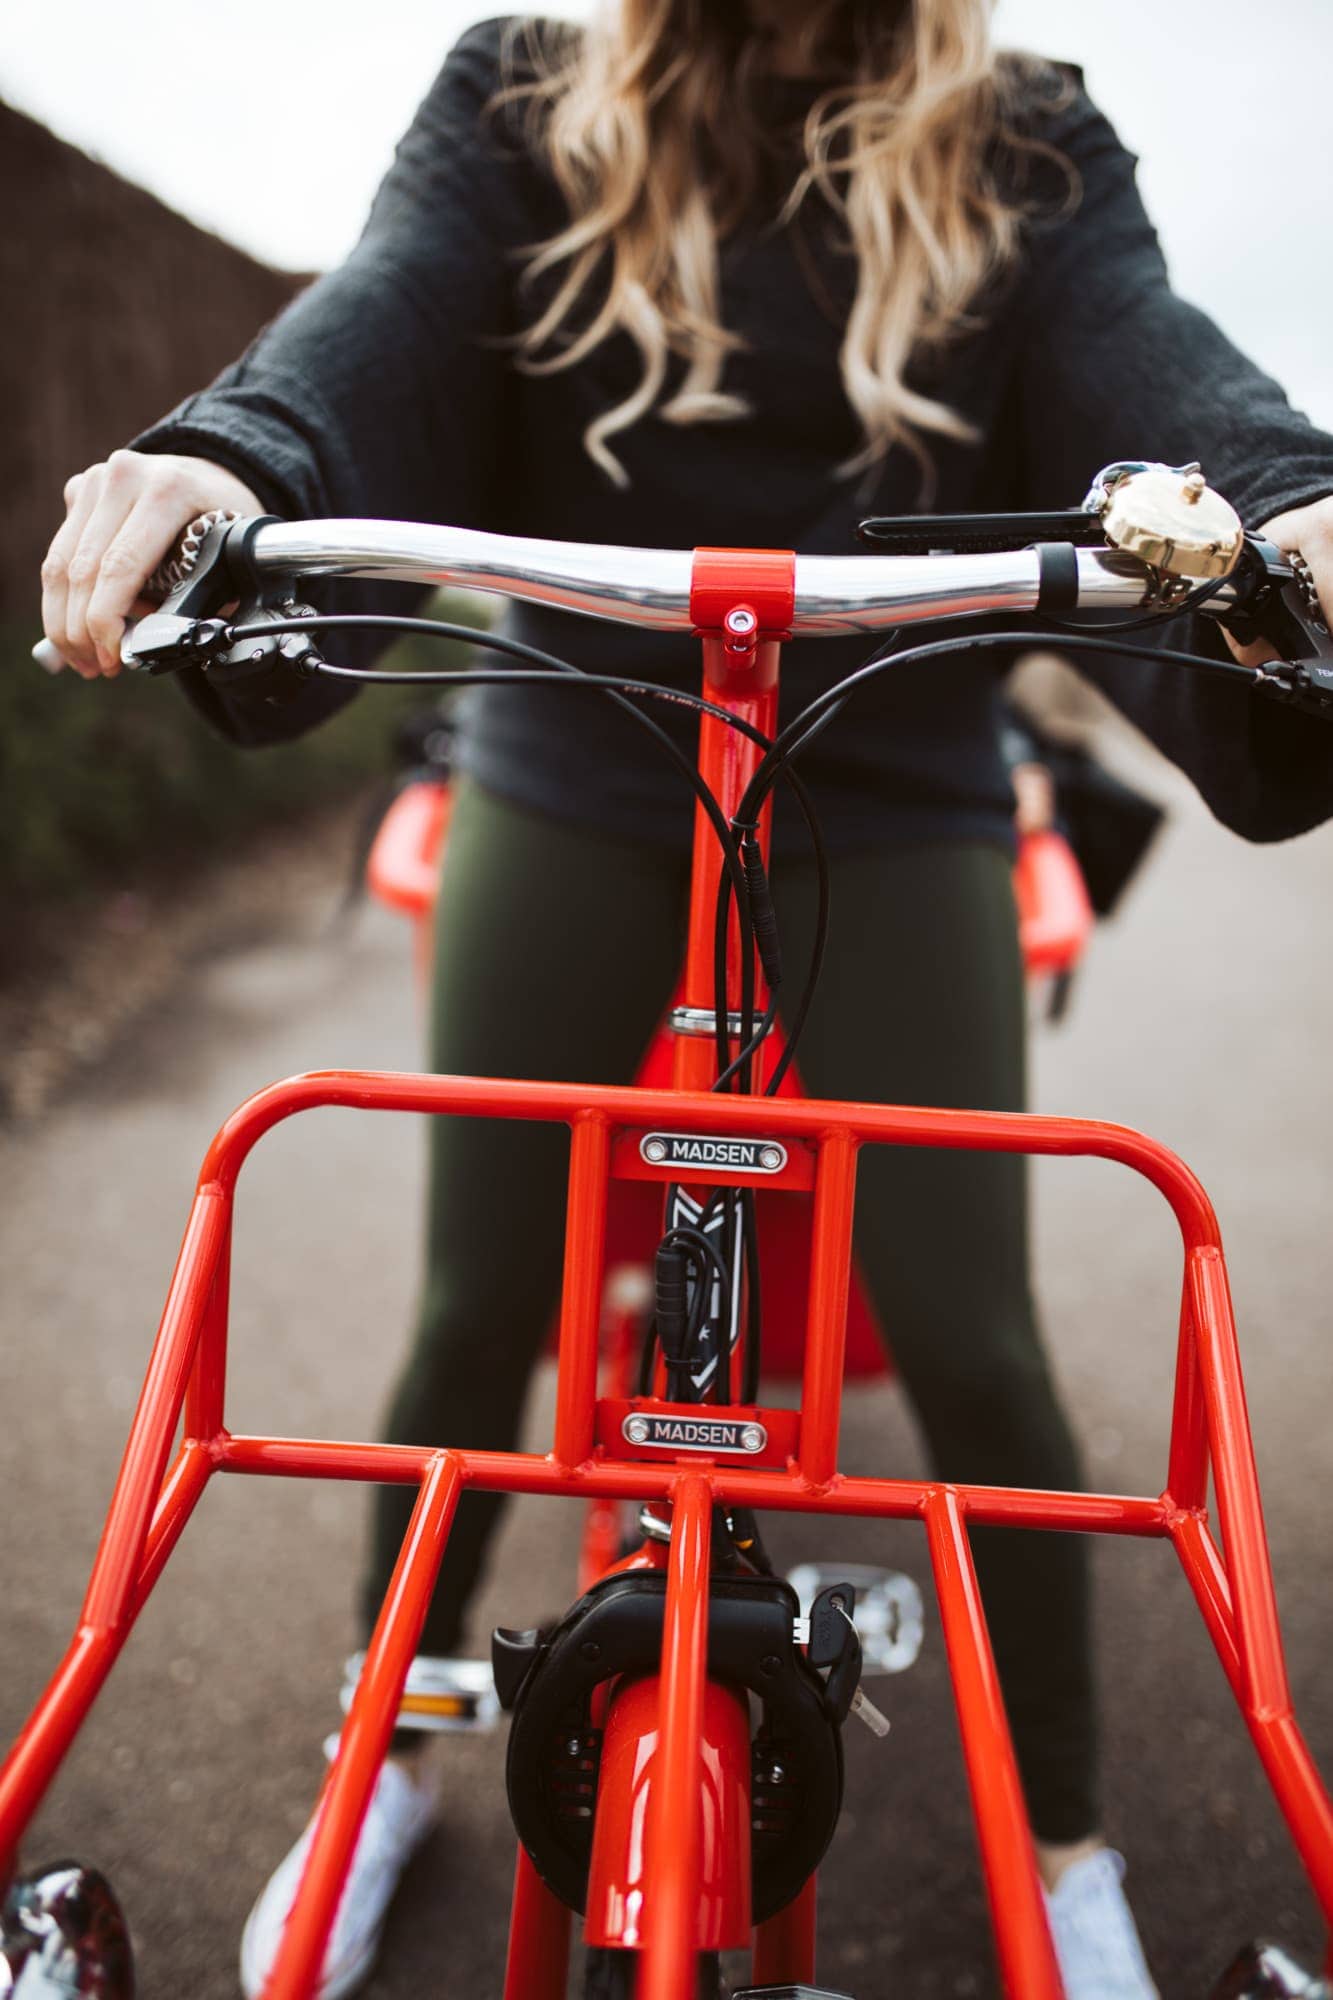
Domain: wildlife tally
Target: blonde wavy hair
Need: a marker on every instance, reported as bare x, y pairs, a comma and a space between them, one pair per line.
645, 122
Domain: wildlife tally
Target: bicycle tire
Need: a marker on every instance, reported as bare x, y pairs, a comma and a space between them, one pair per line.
609, 1974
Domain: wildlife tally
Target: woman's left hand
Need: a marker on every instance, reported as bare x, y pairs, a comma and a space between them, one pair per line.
1310, 531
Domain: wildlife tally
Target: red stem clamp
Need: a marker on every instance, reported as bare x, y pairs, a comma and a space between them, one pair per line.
757, 584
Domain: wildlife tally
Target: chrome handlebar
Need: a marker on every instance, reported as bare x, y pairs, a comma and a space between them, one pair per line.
651, 587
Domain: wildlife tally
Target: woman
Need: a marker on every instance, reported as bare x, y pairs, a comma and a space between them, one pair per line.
733, 272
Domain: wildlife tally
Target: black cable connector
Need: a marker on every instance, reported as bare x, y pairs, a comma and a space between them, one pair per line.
671, 1274
763, 916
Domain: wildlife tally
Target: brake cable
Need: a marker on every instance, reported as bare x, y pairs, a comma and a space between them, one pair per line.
776, 761
736, 875
551, 671
815, 717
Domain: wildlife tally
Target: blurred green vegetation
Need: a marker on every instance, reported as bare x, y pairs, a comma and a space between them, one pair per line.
104, 782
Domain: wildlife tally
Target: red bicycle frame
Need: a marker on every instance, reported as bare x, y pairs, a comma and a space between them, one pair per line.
683, 1898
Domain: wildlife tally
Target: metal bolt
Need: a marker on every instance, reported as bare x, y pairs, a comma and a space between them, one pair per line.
753, 1438
777, 1774
574, 1747
770, 1157
638, 1430
654, 1150
1195, 487
740, 621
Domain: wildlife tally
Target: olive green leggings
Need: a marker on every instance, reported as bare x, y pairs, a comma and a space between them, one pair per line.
556, 952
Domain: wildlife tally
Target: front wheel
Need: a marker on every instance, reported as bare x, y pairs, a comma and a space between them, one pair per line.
611, 1975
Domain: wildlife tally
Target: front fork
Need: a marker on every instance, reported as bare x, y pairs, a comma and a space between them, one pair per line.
653, 1834
618, 1869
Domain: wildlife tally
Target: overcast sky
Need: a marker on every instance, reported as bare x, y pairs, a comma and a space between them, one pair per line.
272, 120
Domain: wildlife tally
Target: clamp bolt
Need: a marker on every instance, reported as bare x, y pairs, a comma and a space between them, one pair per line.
741, 626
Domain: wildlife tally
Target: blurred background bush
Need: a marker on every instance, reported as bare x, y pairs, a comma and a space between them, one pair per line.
115, 308
97, 779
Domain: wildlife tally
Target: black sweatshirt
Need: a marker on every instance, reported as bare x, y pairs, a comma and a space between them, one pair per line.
387, 390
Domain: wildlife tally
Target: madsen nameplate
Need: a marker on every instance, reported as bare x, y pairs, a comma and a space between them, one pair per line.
703, 1149
694, 1433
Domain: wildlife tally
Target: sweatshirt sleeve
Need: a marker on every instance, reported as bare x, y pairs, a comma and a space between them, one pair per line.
379, 392
1113, 364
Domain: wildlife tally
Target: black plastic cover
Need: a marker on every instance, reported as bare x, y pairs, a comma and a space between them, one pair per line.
977, 534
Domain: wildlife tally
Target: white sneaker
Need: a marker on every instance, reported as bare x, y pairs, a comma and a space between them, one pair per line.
402, 1812
1095, 1939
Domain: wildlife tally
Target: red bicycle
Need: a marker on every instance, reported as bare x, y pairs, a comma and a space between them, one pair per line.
675, 1754
402, 871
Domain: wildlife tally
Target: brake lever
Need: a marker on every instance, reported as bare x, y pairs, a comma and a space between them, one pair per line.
164, 642
1275, 603
270, 666
184, 630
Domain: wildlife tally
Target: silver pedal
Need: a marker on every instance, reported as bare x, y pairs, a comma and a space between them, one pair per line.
451, 1696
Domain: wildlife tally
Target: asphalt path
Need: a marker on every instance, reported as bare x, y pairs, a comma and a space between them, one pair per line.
1201, 1016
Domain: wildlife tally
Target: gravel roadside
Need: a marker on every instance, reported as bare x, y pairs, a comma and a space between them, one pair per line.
68, 1001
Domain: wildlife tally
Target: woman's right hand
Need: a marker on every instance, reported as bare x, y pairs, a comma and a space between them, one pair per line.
121, 519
